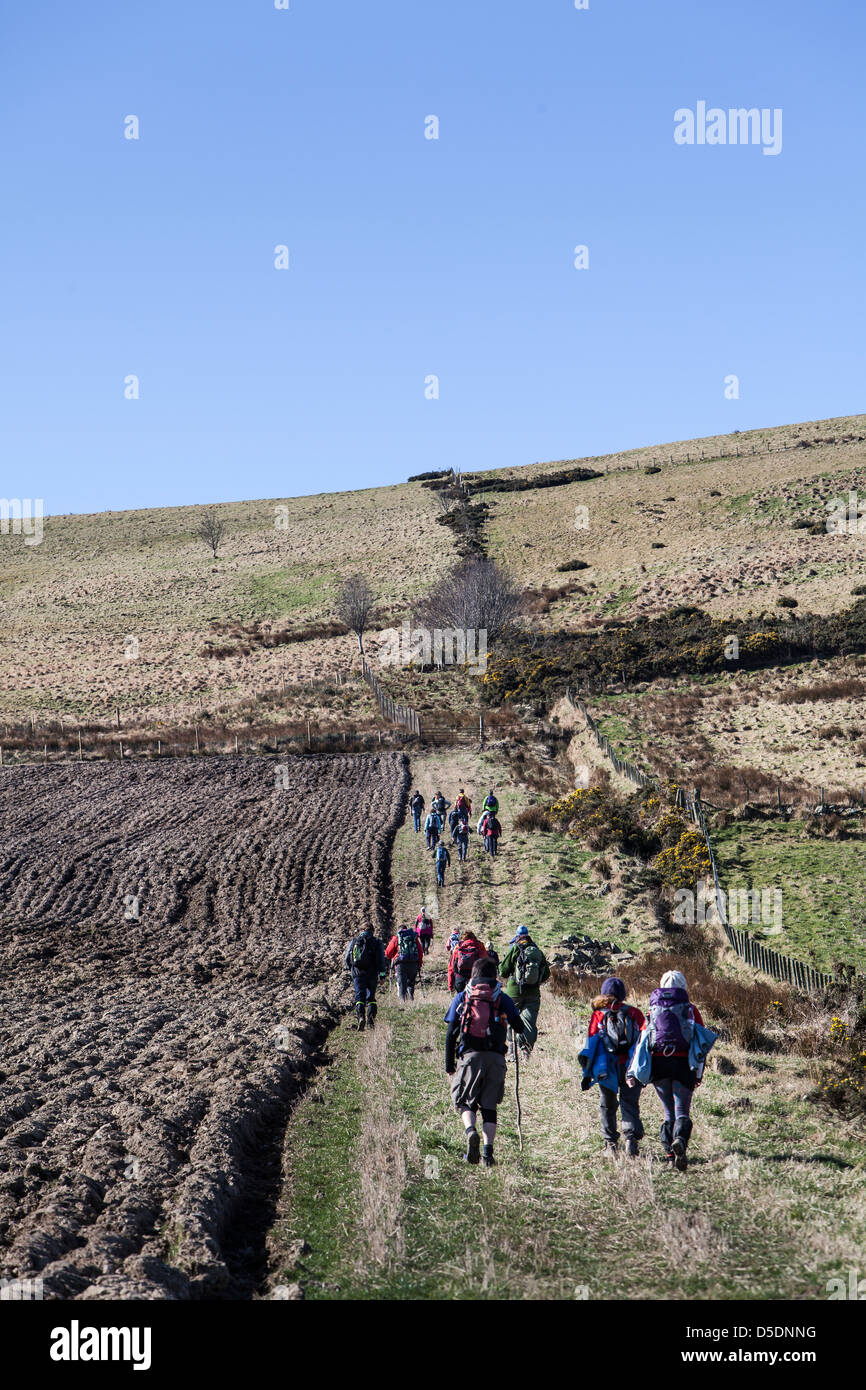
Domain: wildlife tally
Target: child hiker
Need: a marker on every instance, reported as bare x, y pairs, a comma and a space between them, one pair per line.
614, 1030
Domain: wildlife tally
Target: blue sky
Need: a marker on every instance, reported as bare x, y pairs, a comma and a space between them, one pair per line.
412, 257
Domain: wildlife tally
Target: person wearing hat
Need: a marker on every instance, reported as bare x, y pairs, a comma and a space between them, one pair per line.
617, 1027
492, 954
671, 1053
525, 969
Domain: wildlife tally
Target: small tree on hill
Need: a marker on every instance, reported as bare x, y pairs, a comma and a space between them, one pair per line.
354, 606
211, 530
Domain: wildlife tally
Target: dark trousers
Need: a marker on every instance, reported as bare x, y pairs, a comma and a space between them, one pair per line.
416, 819
440, 873
490, 842
628, 1100
462, 847
406, 972
365, 983
432, 839
674, 1081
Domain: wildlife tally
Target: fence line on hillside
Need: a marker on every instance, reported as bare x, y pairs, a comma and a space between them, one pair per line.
780, 967
705, 456
398, 714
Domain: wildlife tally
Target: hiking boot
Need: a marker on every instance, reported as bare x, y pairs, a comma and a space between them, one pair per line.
631, 1148
487, 1156
473, 1146
611, 1148
359, 1016
678, 1155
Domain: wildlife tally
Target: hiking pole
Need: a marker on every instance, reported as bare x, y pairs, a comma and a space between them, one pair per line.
517, 1087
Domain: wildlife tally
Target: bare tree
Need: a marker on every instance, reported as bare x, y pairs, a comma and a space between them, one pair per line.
476, 595
354, 606
211, 530
447, 497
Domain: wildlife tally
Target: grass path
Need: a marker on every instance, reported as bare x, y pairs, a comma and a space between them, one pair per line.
771, 1208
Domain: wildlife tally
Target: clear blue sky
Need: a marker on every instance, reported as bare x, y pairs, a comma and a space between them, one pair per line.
410, 256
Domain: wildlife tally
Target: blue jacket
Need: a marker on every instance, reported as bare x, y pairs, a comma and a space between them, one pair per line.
599, 1064
641, 1064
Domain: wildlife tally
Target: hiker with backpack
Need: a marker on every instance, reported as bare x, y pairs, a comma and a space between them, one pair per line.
671, 1053
492, 954
490, 803
416, 806
463, 806
442, 859
432, 826
475, 1046
613, 1034
440, 806
453, 822
404, 952
451, 943
524, 968
464, 955
461, 840
492, 832
424, 929
365, 959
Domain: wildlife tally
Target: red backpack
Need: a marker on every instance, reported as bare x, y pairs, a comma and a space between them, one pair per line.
481, 1013
468, 952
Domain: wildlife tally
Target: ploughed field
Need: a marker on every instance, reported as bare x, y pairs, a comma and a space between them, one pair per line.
171, 943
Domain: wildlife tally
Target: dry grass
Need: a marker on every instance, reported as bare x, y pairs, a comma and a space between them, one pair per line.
387, 1146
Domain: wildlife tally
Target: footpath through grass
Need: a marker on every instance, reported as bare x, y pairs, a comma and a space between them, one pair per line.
771, 1208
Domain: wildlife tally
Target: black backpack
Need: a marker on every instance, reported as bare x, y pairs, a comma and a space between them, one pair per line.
364, 953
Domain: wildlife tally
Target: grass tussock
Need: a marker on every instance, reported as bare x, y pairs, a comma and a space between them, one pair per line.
386, 1147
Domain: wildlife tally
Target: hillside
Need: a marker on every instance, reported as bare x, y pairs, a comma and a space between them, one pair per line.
712, 526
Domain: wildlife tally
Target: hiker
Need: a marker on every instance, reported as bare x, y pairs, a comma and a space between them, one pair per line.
461, 840
440, 805
416, 806
475, 1045
671, 1053
424, 929
442, 859
491, 803
525, 969
482, 821
492, 954
452, 942
404, 952
464, 955
492, 831
365, 959
463, 806
432, 826
612, 1036
453, 822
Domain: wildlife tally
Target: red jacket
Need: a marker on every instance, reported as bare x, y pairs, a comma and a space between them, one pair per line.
393, 947
452, 963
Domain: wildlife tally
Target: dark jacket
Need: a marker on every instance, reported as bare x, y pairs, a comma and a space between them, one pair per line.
508, 1016
380, 966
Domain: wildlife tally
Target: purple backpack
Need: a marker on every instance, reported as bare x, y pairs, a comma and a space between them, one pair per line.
670, 1021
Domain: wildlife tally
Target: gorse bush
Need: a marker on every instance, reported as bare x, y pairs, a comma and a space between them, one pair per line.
681, 865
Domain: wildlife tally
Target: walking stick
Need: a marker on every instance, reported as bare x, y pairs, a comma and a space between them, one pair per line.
517, 1087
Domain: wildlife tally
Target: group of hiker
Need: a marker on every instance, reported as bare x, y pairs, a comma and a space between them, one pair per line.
489, 828
496, 1004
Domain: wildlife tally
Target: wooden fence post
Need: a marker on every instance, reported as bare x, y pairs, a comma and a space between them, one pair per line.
80, 755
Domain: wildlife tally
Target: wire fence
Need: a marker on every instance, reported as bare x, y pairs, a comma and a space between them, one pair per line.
773, 963
398, 714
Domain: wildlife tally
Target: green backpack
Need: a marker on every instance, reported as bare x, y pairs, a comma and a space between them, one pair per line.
527, 968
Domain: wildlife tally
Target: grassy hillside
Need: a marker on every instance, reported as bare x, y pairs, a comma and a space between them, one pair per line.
718, 531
